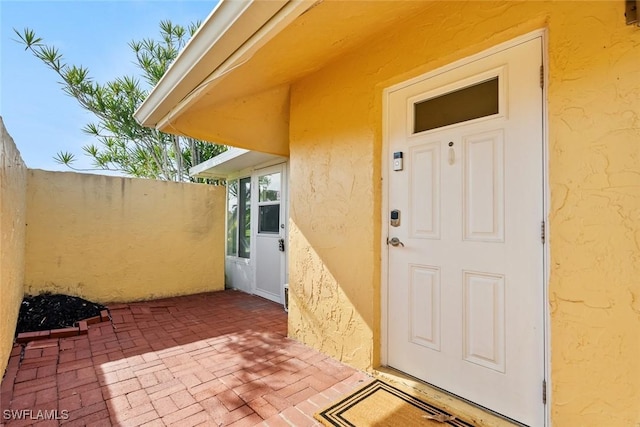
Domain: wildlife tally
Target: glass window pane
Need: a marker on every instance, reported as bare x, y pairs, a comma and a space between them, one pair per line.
269, 219
244, 219
269, 187
473, 102
232, 217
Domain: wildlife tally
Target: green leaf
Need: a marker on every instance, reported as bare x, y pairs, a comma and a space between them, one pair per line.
91, 129
91, 150
28, 38
64, 158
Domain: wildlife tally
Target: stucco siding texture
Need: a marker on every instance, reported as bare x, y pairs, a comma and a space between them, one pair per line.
113, 239
13, 196
593, 112
594, 174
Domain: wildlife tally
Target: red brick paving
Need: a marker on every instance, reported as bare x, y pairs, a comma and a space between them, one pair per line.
218, 359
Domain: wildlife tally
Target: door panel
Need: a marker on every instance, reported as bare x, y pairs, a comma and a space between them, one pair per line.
483, 319
483, 193
425, 293
424, 203
465, 292
268, 283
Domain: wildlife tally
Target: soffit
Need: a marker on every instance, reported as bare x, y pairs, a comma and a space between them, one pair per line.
324, 33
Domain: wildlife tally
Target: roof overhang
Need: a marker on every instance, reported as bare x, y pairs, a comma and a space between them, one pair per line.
228, 27
231, 83
233, 161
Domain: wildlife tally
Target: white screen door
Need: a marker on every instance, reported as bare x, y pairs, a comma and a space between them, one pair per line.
465, 292
269, 224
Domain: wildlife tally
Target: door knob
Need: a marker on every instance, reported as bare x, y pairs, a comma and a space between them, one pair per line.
394, 241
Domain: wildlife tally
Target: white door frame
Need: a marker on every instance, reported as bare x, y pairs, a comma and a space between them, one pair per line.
248, 265
384, 268
281, 167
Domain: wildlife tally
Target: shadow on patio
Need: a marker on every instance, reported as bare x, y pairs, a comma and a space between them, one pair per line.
208, 359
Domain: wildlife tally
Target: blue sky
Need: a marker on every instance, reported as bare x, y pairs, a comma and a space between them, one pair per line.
40, 117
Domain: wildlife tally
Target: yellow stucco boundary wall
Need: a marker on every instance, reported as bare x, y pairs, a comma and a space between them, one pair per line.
103, 238
593, 165
13, 196
113, 239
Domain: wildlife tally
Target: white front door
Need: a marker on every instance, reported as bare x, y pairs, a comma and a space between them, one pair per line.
270, 231
465, 283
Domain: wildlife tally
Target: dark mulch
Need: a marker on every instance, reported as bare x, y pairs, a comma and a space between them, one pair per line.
54, 311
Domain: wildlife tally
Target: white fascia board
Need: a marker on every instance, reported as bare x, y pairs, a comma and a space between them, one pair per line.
205, 168
223, 29
232, 161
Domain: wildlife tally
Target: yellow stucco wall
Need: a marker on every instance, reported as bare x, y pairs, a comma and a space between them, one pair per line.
13, 196
113, 239
594, 182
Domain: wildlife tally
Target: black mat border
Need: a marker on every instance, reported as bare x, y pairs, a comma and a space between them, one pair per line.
336, 410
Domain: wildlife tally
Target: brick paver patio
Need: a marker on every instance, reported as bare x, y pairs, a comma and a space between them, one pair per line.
219, 359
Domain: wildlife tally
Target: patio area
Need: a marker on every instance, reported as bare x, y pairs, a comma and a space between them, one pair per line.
219, 359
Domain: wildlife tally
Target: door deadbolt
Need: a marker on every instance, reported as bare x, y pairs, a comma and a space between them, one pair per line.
394, 218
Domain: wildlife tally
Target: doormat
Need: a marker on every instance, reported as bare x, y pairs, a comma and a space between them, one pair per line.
380, 404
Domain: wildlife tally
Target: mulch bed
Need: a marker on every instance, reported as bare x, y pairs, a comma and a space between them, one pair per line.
54, 311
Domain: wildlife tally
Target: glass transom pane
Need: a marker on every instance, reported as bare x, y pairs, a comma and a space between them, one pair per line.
472, 102
269, 187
